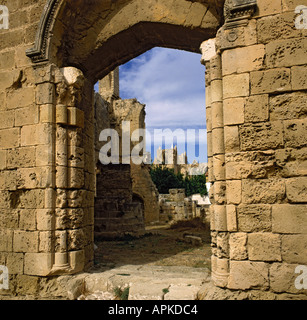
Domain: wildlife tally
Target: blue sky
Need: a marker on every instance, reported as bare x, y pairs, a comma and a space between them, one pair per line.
172, 85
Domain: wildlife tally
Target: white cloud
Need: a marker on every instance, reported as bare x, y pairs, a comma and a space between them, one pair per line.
172, 85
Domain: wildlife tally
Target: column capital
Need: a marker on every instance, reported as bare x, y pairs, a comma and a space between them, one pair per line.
208, 50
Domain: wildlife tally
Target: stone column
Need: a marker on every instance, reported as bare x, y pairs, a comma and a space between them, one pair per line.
216, 160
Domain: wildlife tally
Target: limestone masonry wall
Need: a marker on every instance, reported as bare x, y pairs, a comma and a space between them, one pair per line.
53, 53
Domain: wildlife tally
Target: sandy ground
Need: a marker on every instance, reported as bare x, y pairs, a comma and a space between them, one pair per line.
161, 246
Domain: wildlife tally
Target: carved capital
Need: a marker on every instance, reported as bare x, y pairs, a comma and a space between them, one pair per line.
236, 12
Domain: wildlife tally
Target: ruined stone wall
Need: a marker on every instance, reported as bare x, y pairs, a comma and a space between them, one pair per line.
116, 214
256, 86
175, 206
256, 98
111, 115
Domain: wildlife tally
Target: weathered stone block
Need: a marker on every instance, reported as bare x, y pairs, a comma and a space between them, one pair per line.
233, 191
27, 219
264, 247
31, 178
76, 260
20, 98
237, 37
36, 134
9, 138
26, 116
220, 219
15, 263
299, 77
5, 200
75, 157
26, 241
76, 178
231, 139
218, 141
216, 118
8, 180
240, 60
44, 219
44, 155
236, 86
296, 189
268, 8
75, 239
7, 119
38, 264
261, 136
293, 248
237, 244
47, 114
295, 133
270, 81
263, 191
257, 108
248, 275
6, 240
28, 199
288, 218
254, 218
231, 217
75, 117
282, 277
220, 192
233, 111
290, 5
21, 157
3, 164
216, 91
288, 106
45, 241
277, 27
27, 285
286, 53
45, 93
293, 162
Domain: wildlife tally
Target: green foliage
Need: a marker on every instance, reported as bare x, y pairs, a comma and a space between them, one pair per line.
121, 294
195, 184
166, 179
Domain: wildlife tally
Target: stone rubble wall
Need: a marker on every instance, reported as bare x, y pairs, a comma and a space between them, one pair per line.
175, 206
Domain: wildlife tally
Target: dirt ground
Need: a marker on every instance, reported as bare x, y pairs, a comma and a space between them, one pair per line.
160, 246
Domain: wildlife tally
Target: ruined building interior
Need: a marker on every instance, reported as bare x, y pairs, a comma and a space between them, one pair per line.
52, 183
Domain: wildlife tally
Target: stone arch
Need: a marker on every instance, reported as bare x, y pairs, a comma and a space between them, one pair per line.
247, 254
94, 36
91, 38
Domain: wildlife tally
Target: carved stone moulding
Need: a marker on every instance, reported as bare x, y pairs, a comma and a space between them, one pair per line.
40, 51
237, 12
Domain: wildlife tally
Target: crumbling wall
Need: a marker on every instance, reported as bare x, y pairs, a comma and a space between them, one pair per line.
175, 206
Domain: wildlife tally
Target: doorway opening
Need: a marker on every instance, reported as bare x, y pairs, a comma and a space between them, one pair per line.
162, 90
